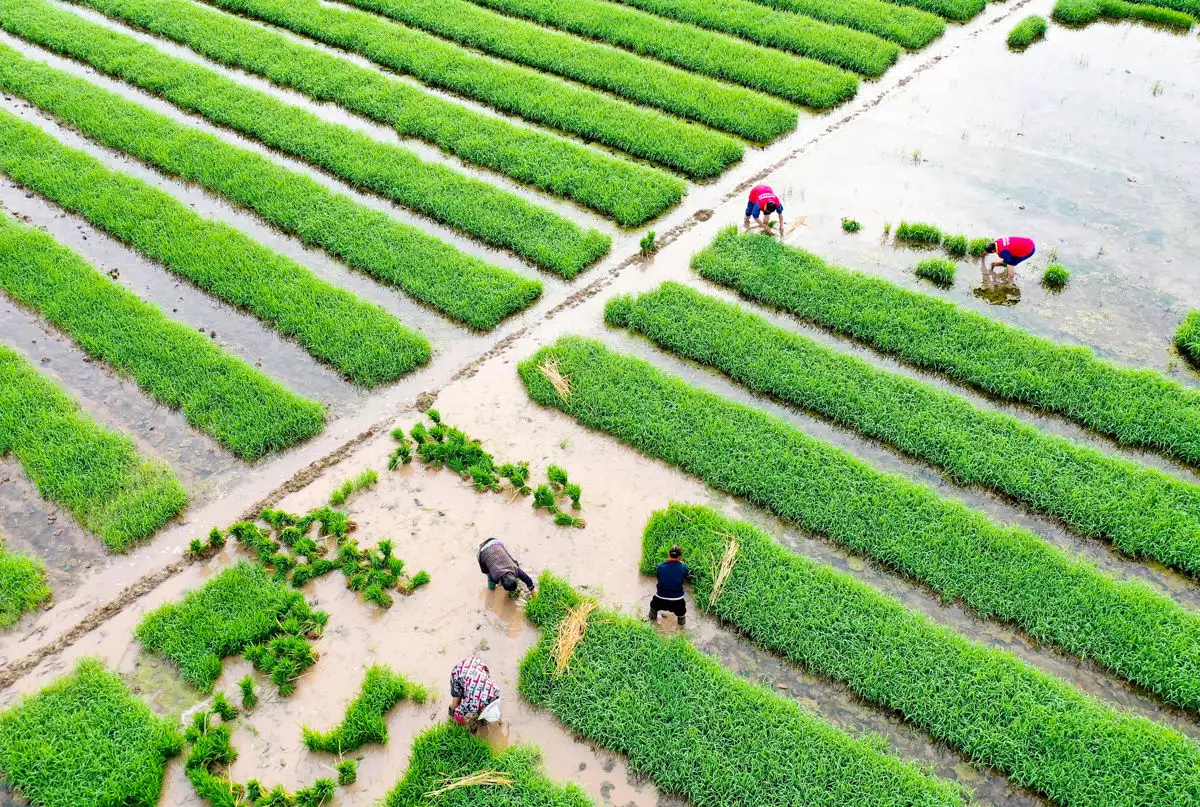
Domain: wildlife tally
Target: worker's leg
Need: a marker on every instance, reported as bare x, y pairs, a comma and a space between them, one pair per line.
491, 585
681, 612
654, 608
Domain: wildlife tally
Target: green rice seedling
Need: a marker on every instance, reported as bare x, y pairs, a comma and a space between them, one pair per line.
977, 247
850, 226
887, 229
85, 741
544, 497
574, 492
909, 27
347, 772
95, 474
1145, 513
402, 453
697, 152
22, 585
1056, 276
517, 474
222, 707
938, 270
451, 768
648, 245
351, 486
256, 540
630, 193
374, 593
221, 395
283, 658
1137, 407
697, 729
957, 10
249, 698
1187, 336
919, 234
998, 710
557, 477
1027, 31
197, 549
254, 790
564, 519
1085, 12
381, 690
419, 579
462, 287
237, 608
956, 246
1001, 572
216, 540
316, 794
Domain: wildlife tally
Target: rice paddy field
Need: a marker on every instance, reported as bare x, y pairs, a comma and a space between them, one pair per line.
303, 300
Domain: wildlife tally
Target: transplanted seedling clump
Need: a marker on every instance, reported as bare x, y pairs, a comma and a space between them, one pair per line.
850, 226
1026, 32
938, 270
1056, 276
364, 723
918, 234
22, 586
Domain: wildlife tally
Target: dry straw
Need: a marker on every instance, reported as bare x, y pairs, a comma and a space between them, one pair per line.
721, 573
479, 779
562, 386
570, 635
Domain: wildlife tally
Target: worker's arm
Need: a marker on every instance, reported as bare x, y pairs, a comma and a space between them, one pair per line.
524, 578
781, 225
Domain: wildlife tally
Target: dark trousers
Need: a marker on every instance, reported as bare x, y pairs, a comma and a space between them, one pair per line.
676, 607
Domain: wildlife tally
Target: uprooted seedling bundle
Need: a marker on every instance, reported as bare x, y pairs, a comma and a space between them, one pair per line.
548, 495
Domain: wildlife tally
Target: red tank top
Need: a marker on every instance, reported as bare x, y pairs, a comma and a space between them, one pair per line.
1015, 246
761, 194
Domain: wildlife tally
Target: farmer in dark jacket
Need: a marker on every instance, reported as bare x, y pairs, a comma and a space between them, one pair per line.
501, 567
672, 574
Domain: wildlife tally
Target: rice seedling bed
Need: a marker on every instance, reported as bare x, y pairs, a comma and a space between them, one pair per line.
381, 690
730, 109
219, 394
22, 585
450, 767
85, 741
694, 151
804, 81
1187, 337
956, 10
1144, 512
481, 210
911, 28
360, 339
1136, 407
1007, 573
853, 50
629, 193
1027, 31
697, 729
95, 474
1085, 12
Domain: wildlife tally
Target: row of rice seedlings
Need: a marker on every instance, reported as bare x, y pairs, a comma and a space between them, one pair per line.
85, 741
381, 690
1144, 512
908, 27
95, 474
938, 271
22, 585
450, 768
1027, 31
1187, 336
1085, 12
730, 109
218, 393
861, 52
919, 234
692, 150
628, 192
1001, 572
956, 10
477, 208
1137, 407
998, 710
803, 81
238, 610
364, 342
460, 286
362, 482
697, 729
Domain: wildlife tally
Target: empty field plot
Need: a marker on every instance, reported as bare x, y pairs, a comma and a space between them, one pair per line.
94, 474
235, 609
692, 150
361, 340
381, 690
450, 768
86, 741
694, 727
908, 27
1085, 12
731, 109
1137, 407
854, 50
22, 585
957, 10
1008, 573
462, 287
804, 81
481, 210
629, 193
1144, 512
219, 394
1187, 336
998, 710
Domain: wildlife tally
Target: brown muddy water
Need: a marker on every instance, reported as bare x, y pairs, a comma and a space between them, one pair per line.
1087, 142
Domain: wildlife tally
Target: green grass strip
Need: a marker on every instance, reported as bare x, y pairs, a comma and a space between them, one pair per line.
219, 394
908, 27
362, 340
22, 585
644, 81
692, 150
464, 288
1008, 573
854, 50
236, 608
630, 193
1144, 512
1027, 31
477, 208
86, 741
381, 690
1137, 407
1000, 711
1187, 336
956, 10
445, 754
1085, 12
697, 729
93, 473
804, 81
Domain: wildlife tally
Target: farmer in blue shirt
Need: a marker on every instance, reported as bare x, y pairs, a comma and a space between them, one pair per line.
672, 574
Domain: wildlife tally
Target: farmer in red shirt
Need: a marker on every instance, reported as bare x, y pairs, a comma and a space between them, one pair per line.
763, 200
1011, 251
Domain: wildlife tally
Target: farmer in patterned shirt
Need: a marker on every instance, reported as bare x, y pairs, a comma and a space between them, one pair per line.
474, 696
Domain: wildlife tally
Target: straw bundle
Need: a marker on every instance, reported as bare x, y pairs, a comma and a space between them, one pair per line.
479, 779
570, 634
721, 572
553, 374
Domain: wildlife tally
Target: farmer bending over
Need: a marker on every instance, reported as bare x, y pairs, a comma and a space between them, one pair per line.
672, 574
763, 200
1011, 252
501, 567
473, 695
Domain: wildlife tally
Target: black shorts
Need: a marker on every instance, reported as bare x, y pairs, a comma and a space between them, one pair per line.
676, 607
